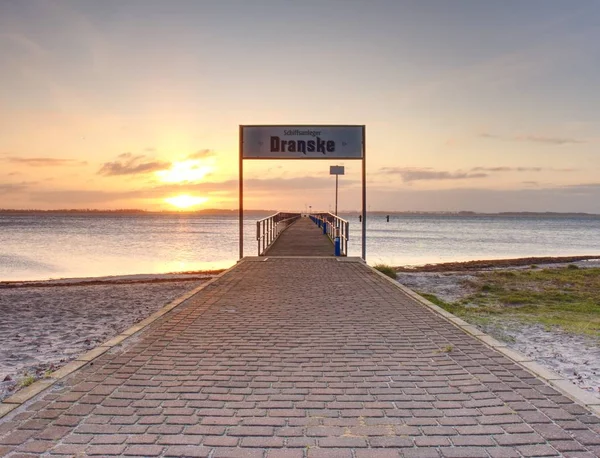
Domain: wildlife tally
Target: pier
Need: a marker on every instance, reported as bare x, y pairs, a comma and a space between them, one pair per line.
302, 238
298, 353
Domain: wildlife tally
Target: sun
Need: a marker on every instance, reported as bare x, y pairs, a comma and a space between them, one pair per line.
183, 201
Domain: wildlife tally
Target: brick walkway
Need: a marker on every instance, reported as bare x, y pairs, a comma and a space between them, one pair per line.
290, 358
303, 238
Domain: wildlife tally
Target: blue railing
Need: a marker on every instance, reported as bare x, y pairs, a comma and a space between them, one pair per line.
336, 228
269, 228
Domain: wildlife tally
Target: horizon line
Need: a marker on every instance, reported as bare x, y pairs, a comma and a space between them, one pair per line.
226, 210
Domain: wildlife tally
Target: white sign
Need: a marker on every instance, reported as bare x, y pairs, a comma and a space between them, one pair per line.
302, 142
336, 170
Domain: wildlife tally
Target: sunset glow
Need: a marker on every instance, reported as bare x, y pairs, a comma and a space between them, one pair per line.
184, 171
110, 105
185, 201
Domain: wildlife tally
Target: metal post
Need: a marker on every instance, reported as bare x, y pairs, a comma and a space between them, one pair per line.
364, 195
241, 193
336, 193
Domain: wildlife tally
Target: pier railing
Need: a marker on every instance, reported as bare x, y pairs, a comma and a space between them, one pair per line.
334, 227
269, 228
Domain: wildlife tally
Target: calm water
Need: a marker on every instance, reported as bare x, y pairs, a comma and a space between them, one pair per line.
35, 246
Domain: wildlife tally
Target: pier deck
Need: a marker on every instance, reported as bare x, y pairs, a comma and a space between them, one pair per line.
302, 238
301, 358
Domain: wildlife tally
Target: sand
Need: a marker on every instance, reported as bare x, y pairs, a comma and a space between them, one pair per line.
574, 357
45, 325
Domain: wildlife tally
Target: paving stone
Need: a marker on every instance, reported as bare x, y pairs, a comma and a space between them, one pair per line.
238, 453
519, 439
537, 450
36, 447
69, 449
105, 450
143, 450
285, 453
586, 437
370, 453
329, 453
463, 452
421, 453
472, 441
259, 364
503, 452
187, 451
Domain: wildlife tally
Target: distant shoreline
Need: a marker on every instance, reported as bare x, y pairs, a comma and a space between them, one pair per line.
226, 212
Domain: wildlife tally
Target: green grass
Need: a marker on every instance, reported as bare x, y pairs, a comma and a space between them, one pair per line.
567, 298
27, 380
386, 270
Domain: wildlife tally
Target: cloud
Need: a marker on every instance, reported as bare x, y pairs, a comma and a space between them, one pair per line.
550, 140
44, 161
77, 197
507, 169
201, 154
409, 174
128, 164
534, 139
520, 169
578, 198
269, 185
282, 186
10, 188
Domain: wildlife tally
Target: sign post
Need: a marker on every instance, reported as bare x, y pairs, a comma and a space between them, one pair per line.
302, 142
336, 170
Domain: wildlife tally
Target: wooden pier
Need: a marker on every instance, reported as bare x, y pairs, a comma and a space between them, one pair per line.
302, 238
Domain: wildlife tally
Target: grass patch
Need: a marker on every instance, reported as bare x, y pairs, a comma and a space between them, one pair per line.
27, 380
386, 270
567, 298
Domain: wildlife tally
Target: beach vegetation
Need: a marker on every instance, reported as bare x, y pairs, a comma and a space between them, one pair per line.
386, 270
565, 298
27, 380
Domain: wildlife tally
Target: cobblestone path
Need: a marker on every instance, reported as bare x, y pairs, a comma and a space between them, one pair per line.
302, 358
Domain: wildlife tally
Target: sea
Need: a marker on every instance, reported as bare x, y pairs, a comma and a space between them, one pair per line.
41, 246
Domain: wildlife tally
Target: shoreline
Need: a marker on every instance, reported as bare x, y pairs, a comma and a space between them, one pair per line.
450, 266
113, 279
489, 264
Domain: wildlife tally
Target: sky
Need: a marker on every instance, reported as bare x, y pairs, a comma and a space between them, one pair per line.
468, 105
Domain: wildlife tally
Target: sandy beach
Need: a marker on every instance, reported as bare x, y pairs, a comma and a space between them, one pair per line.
44, 325
574, 357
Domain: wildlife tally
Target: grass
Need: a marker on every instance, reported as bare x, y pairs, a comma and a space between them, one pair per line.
27, 380
386, 270
567, 298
